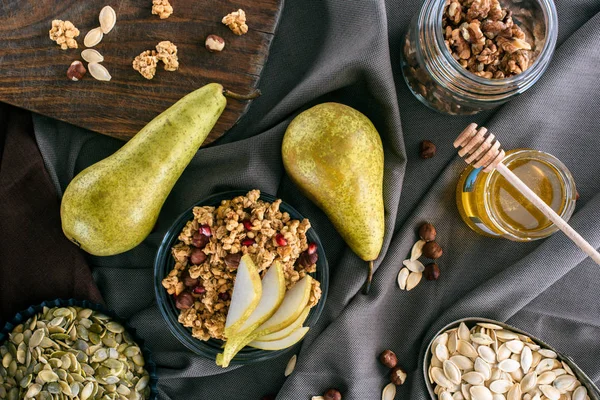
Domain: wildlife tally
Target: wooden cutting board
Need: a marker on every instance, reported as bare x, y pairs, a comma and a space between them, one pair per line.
33, 68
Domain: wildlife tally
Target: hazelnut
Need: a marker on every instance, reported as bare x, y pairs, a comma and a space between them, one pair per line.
184, 301
76, 71
398, 376
576, 196
214, 43
332, 394
388, 358
432, 250
427, 232
432, 272
233, 260
427, 149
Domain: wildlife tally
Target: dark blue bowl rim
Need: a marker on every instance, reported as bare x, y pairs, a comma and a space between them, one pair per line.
164, 263
32, 310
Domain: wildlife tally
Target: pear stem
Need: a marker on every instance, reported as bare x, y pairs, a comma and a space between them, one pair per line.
252, 95
367, 285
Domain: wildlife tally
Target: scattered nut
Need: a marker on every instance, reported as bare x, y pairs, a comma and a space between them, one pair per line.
427, 149
236, 21
332, 394
64, 34
388, 358
76, 71
397, 376
432, 250
184, 301
162, 8
427, 232
214, 43
432, 272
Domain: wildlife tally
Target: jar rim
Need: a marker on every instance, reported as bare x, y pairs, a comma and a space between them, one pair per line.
517, 83
568, 192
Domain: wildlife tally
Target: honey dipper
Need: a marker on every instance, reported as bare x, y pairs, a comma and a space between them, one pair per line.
480, 148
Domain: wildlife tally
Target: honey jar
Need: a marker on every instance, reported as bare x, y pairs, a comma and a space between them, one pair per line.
491, 206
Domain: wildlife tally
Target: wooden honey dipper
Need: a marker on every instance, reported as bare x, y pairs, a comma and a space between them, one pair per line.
480, 148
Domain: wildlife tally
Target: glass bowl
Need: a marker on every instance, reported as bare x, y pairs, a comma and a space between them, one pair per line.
164, 263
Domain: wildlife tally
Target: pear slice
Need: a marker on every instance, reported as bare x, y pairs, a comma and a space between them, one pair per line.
280, 334
273, 292
280, 344
247, 291
293, 304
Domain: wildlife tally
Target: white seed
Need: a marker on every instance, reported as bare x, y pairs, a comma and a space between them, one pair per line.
546, 378
487, 325
389, 392
500, 386
462, 362
506, 335
498, 396
417, 250
452, 342
289, 368
440, 378
503, 353
535, 359
529, 382
441, 352
533, 346
457, 396
480, 393
559, 372
563, 382
550, 392
93, 37
487, 354
445, 396
567, 368
465, 389
515, 346
435, 362
99, 72
402, 278
440, 339
580, 393
508, 365
546, 364
514, 393
108, 18
482, 339
517, 375
547, 353
474, 378
413, 280
483, 368
526, 359
466, 349
414, 265
463, 332
92, 56
452, 372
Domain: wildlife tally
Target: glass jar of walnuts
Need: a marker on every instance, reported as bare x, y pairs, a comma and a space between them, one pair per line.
464, 56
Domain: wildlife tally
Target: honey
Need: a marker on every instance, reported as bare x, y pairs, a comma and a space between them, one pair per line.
493, 207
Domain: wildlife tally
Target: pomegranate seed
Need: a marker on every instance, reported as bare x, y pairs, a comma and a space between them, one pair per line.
248, 242
224, 296
199, 290
247, 224
312, 248
280, 240
205, 230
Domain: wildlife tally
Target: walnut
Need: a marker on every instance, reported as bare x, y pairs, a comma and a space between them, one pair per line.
64, 34
478, 9
167, 53
145, 64
236, 21
162, 8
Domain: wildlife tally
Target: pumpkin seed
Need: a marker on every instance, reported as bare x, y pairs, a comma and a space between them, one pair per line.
99, 72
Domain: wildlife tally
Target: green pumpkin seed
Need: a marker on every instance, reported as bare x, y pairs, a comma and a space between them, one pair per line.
53, 388
97, 328
48, 376
115, 327
142, 383
12, 368
6, 360
138, 359
109, 341
84, 313
82, 332
111, 380
62, 312
22, 353
17, 338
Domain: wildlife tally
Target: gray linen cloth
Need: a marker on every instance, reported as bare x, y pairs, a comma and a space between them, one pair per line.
348, 51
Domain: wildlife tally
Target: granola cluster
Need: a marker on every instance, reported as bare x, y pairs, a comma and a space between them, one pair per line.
483, 38
236, 21
147, 61
210, 248
64, 34
162, 8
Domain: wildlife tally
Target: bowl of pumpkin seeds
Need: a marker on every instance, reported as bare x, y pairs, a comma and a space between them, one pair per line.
483, 359
71, 349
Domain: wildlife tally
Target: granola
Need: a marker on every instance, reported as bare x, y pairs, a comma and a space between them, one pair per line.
483, 38
145, 63
162, 8
64, 34
236, 21
167, 53
209, 250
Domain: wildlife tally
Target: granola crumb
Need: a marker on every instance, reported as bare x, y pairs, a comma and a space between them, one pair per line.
162, 8
167, 53
145, 63
236, 21
64, 34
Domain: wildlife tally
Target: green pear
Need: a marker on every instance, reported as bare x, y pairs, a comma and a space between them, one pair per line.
112, 206
282, 343
333, 153
247, 294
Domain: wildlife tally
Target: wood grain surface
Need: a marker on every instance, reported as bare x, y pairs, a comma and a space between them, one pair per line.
33, 68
